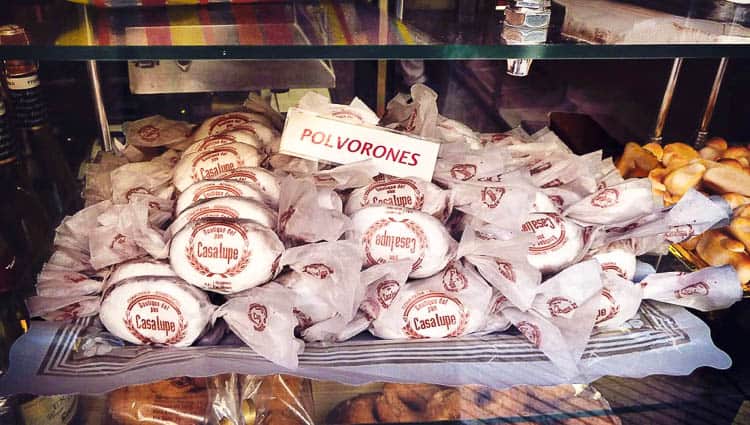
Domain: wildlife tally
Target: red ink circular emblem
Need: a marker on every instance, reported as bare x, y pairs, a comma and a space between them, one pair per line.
230, 236
434, 315
491, 196
506, 269
396, 192
454, 280
119, 239
615, 268
135, 190
678, 234
258, 315
463, 172
531, 332
284, 219
318, 270
696, 289
610, 309
559, 306
499, 304
303, 320
387, 291
549, 232
381, 247
148, 133
155, 318
605, 198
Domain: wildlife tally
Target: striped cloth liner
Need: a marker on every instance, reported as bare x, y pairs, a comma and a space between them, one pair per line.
267, 24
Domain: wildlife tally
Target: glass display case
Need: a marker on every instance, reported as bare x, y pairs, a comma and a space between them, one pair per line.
297, 212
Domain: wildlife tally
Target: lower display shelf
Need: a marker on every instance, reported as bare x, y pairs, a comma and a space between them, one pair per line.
705, 396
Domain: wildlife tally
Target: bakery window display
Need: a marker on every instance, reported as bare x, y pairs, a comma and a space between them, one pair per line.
215, 251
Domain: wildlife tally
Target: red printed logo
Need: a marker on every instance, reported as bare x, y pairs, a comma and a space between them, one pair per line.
135, 190
463, 172
499, 304
531, 332
284, 219
491, 196
215, 190
389, 240
148, 133
539, 167
548, 230
506, 270
678, 234
605, 198
321, 271
559, 306
155, 318
303, 320
258, 315
119, 239
615, 268
434, 315
218, 248
696, 289
395, 192
453, 279
387, 291
226, 122
609, 309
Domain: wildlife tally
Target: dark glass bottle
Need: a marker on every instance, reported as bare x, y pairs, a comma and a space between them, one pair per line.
23, 221
41, 153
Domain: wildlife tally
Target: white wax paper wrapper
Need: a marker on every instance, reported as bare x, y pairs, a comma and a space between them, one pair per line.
615, 204
155, 131
450, 304
388, 234
62, 308
98, 182
556, 241
70, 259
256, 103
503, 263
455, 132
229, 121
325, 277
692, 215
61, 283
152, 177
357, 112
215, 163
308, 213
380, 285
617, 257
155, 310
263, 319
416, 113
504, 204
619, 301
458, 163
139, 267
74, 230
348, 176
563, 314
108, 246
712, 288
408, 192
662, 339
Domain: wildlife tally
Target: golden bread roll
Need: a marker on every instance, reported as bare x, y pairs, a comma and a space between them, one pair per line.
735, 200
357, 410
636, 161
718, 249
679, 181
740, 229
391, 409
656, 177
678, 154
731, 162
717, 143
181, 401
691, 243
736, 152
726, 179
656, 149
710, 153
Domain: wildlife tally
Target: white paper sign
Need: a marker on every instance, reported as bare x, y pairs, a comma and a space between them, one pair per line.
311, 136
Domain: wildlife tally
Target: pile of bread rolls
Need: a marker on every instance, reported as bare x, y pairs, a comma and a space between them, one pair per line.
716, 169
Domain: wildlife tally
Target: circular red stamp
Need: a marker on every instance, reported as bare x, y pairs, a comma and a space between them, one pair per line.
434, 315
389, 240
258, 315
605, 198
463, 172
318, 270
396, 192
155, 318
218, 248
531, 332
149, 133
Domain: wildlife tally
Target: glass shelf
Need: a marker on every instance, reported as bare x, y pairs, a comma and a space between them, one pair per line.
355, 30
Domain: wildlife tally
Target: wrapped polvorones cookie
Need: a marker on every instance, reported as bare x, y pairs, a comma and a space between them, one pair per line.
408, 192
209, 189
556, 243
259, 178
214, 163
453, 303
226, 122
215, 141
226, 207
388, 234
225, 255
155, 310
